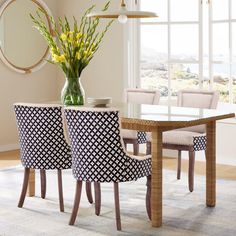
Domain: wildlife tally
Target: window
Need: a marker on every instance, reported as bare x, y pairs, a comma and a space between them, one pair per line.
222, 63
191, 45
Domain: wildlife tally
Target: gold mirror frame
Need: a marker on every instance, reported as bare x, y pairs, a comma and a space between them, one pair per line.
35, 67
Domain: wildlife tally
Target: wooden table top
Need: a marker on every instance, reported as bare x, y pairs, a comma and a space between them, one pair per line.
157, 115
160, 115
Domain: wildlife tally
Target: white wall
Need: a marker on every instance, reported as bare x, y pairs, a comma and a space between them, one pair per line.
105, 71
14, 87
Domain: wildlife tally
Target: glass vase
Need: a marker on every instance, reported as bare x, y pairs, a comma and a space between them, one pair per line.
72, 93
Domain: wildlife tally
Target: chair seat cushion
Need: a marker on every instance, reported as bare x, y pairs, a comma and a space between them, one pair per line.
180, 137
198, 129
129, 134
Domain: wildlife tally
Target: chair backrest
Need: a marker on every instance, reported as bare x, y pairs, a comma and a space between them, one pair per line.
97, 151
42, 141
142, 96
198, 99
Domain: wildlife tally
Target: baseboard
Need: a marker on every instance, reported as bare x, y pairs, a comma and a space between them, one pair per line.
9, 147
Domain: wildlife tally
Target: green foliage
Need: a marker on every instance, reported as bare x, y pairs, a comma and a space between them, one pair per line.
71, 47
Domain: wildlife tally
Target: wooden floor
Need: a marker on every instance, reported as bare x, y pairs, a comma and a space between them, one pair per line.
9, 159
12, 158
222, 171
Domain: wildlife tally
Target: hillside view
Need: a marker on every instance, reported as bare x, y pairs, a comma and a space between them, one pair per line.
154, 74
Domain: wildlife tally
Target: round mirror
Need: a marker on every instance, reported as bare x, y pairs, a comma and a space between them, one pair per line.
22, 48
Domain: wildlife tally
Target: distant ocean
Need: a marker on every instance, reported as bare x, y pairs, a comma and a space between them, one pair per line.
151, 56
218, 69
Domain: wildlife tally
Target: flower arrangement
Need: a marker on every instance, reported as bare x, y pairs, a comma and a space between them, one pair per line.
72, 48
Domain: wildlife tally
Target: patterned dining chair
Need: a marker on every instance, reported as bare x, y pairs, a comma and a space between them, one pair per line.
98, 154
138, 96
43, 145
190, 139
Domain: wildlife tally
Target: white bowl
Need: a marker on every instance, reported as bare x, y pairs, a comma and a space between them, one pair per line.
99, 102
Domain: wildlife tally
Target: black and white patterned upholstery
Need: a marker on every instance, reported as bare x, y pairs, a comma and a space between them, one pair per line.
199, 143
97, 151
42, 141
141, 137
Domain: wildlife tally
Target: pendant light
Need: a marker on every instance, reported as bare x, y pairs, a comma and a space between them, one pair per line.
122, 14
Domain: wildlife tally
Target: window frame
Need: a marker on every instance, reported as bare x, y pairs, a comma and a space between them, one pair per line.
212, 22
132, 39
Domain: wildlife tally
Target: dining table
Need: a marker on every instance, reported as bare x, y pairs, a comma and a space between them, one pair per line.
158, 119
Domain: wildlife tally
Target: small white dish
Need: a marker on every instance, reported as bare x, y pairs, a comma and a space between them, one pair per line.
99, 102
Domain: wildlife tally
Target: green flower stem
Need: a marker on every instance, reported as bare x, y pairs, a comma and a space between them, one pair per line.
73, 93
71, 47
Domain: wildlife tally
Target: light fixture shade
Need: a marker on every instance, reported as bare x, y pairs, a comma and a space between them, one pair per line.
116, 14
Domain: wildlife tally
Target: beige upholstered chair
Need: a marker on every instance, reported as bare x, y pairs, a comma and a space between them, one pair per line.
138, 96
190, 139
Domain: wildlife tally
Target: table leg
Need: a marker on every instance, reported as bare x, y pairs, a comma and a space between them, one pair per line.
156, 190
211, 165
31, 185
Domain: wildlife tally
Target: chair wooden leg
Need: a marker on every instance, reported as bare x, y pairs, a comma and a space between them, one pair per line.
89, 192
117, 206
136, 148
191, 170
125, 144
76, 202
148, 148
97, 188
43, 183
179, 165
24, 187
60, 190
148, 197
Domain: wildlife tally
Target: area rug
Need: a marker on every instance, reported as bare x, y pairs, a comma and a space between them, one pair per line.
184, 213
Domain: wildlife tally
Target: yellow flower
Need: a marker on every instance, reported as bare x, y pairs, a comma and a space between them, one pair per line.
56, 58
54, 50
70, 33
87, 53
63, 37
76, 44
93, 46
62, 58
78, 36
78, 55
71, 36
